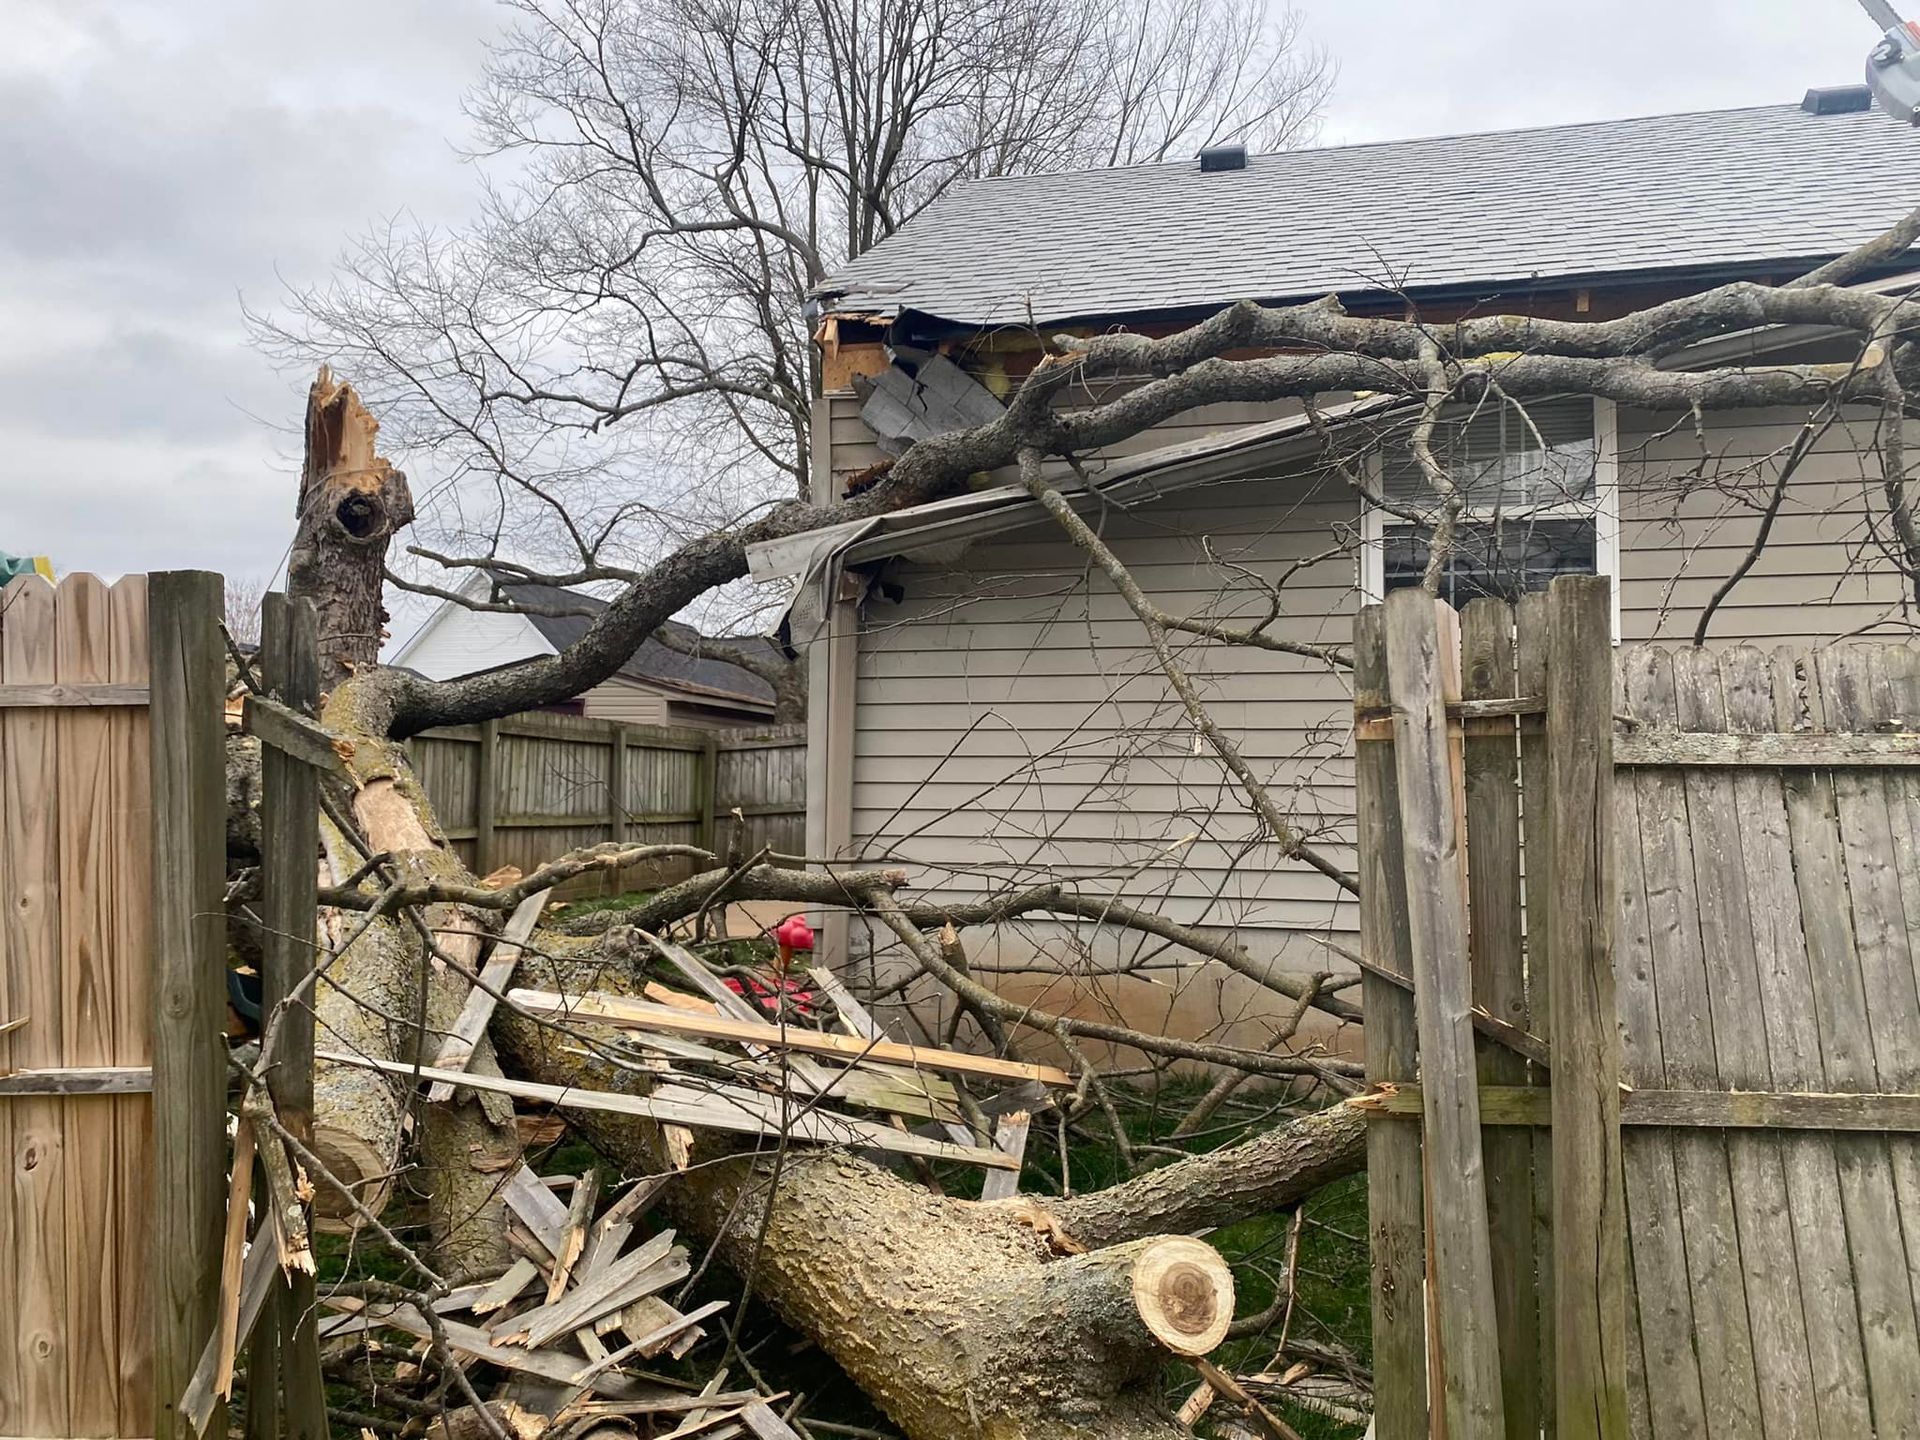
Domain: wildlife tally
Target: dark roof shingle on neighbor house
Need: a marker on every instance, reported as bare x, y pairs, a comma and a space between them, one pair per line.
1709, 191
653, 663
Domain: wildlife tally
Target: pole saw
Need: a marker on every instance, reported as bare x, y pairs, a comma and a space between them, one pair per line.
1893, 68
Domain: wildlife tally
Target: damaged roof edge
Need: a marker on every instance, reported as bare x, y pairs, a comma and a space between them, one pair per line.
1129, 479
1170, 468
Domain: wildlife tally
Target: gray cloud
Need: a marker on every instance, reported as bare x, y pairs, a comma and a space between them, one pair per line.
161, 158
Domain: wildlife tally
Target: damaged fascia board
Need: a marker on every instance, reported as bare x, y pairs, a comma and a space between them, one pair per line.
1128, 481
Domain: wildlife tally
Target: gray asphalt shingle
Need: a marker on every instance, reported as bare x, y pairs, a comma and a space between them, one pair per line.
1669, 192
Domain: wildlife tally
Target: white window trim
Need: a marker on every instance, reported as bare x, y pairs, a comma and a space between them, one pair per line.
1606, 514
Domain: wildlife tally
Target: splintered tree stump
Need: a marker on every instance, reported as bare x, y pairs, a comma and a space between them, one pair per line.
351, 503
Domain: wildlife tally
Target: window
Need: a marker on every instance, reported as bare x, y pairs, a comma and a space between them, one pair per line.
1540, 500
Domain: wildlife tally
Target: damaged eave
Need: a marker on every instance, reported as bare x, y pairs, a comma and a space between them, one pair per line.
1131, 480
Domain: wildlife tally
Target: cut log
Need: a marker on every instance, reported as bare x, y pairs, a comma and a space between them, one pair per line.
960, 1318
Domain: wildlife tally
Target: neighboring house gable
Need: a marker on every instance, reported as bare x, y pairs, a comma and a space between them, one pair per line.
657, 685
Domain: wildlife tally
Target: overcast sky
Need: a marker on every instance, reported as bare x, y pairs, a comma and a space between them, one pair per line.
162, 159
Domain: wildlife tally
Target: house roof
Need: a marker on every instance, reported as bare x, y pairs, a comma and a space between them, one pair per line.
653, 663
1709, 191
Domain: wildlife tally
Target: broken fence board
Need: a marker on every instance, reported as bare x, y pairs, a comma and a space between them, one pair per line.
1010, 1139
621, 1012
477, 1012
819, 1127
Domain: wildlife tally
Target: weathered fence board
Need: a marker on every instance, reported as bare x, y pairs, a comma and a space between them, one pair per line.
1423, 659
525, 790
1396, 1223
1763, 909
1495, 953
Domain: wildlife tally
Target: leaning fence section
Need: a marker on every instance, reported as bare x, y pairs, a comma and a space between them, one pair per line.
528, 789
1643, 1028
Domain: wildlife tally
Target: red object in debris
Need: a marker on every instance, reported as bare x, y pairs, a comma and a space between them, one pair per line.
793, 934
766, 996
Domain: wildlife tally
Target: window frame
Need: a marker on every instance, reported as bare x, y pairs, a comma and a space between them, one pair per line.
1605, 513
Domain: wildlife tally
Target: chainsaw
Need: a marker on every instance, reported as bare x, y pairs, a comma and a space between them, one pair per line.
1893, 68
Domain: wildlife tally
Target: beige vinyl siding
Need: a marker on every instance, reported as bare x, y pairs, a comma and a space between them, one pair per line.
1011, 726
621, 700
1821, 575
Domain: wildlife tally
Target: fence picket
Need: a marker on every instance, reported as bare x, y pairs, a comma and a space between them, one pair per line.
30, 825
1422, 657
1500, 987
1396, 1223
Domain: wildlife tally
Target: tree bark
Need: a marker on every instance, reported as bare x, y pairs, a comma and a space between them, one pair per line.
351, 503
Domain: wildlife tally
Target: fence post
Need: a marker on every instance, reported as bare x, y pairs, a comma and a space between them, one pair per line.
290, 827
1422, 654
484, 860
709, 794
188, 700
1589, 1205
617, 783
1396, 1225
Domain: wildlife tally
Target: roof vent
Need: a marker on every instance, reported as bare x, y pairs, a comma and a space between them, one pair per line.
1838, 100
1223, 157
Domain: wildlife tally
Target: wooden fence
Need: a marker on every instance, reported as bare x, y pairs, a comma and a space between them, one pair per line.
1711, 944
112, 851
525, 790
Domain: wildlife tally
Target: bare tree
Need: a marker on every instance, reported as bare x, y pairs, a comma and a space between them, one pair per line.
244, 594
616, 356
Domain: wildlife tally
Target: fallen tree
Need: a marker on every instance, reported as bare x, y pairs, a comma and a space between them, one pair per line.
1041, 1318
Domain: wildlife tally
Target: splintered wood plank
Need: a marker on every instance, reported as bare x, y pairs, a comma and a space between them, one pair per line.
1500, 988
1422, 654
1395, 1217
1856, 699
1589, 1204
1723, 1333
476, 1013
1790, 1020
621, 1012
1769, 1268
1009, 1138
132, 965
1669, 1391
30, 864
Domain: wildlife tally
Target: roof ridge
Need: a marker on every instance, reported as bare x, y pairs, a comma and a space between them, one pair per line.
1561, 127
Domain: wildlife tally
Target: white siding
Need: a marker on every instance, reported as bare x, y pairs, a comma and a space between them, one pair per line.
459, 641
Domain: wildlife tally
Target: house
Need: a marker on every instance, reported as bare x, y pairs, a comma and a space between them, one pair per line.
657, 686
984, 710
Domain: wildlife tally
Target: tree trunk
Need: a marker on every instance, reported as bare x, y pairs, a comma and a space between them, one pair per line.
351, 503
959, 1318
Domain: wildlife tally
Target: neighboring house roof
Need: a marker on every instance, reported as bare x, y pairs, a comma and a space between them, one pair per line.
653, 664
1707, 191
